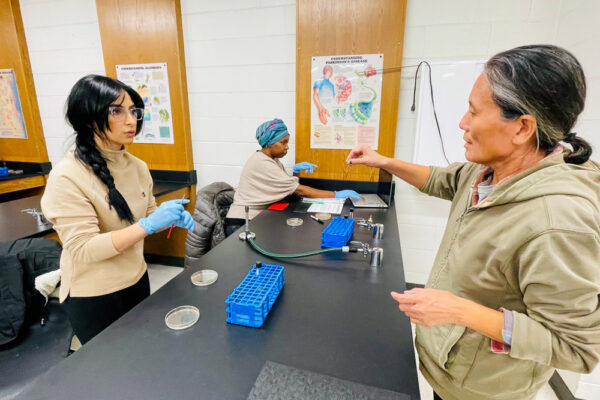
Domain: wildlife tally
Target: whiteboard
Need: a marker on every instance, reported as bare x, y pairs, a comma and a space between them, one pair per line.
452, 83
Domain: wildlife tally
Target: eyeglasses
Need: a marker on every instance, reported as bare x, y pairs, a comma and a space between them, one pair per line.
119, 113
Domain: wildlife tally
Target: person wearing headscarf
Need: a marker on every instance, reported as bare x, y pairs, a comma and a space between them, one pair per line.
264, 179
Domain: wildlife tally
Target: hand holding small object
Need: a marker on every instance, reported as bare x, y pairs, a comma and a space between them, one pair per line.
365, 155
169, 212
185, 221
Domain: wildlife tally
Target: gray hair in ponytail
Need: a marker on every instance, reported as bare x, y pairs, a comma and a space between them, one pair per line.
546, 82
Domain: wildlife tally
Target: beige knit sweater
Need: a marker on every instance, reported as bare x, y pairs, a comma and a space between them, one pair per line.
263, 181
76, 202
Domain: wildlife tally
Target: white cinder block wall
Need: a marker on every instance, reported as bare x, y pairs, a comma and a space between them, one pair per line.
64, 45
240, 58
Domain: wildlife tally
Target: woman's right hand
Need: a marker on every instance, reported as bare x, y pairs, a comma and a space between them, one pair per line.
169, 212
365, 155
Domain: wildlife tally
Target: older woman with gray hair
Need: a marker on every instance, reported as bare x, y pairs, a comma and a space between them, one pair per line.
514, 290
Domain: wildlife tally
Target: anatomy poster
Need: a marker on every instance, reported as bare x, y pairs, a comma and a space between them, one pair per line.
12, 125
151, 81
345, 101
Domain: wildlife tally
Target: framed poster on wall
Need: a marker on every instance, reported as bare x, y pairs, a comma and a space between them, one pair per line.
12, 124
151, 81
345, 101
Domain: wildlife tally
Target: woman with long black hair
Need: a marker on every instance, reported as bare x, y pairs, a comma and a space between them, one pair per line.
99, 198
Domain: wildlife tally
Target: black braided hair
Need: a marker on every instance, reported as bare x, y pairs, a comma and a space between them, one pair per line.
87, 112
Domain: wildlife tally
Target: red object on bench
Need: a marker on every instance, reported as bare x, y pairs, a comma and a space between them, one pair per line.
278, 206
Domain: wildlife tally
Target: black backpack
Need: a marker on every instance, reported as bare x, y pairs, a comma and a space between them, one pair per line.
21, 261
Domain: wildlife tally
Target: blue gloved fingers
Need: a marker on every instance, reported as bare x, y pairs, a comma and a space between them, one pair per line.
304, 166
176, 201
166, 214
352, 193
342, 194
185, 221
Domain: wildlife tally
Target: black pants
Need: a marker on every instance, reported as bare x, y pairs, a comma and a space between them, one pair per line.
436, 396
233, 224
91, 315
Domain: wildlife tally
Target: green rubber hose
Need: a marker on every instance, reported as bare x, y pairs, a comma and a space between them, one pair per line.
275, 255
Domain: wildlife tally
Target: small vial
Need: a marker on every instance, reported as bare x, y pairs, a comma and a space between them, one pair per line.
258, 267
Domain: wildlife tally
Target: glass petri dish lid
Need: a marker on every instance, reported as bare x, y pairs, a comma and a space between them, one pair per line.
294, 221
182, 317
323, 216
204, 277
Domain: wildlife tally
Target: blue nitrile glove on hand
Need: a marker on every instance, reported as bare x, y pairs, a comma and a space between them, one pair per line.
167, 213
304, 166
185, 221
342, 194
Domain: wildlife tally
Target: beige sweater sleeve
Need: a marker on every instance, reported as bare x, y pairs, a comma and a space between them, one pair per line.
560, 281
76, 222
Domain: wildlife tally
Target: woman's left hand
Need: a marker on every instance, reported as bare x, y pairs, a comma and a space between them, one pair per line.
429, 307
185, 221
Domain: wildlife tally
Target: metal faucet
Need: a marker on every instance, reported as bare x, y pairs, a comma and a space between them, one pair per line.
366, 248
39, 217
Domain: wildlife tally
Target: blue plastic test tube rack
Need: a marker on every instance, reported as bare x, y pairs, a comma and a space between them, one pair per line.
250, 302
338, 232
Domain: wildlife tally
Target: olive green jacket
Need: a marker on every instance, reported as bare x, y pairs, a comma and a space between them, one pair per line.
532, 246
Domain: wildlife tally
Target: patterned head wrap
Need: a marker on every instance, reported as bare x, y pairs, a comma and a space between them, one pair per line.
271, 132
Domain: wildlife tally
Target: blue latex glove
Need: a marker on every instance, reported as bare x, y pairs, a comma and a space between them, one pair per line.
342, 194
167, 213
185, 221
304, 166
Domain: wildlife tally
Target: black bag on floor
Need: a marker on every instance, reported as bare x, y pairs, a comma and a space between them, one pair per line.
12, 298
35, 257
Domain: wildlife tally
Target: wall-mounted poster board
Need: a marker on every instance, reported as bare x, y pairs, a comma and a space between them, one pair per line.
452, 83
151, 81
333, 27
346, 101
150, 32
12, 124
21, 136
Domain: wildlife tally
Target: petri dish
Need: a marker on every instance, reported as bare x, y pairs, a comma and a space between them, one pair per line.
294, 221
182, 317
204, 277
323, 216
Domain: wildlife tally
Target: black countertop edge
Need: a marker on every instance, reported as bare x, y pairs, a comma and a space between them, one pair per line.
29, 169
14, 177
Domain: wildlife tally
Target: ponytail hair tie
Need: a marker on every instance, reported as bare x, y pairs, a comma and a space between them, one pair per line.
569, 137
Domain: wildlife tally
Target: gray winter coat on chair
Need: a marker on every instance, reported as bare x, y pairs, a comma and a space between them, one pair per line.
212, 204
